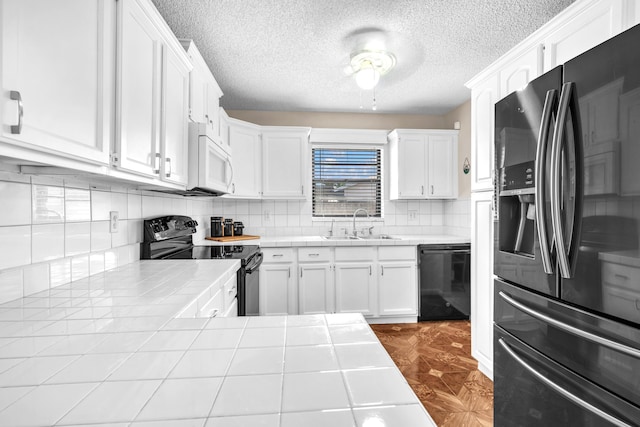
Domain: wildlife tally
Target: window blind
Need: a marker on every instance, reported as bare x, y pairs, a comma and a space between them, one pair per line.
344, 180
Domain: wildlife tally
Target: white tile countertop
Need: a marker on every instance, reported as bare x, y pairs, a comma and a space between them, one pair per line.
294, 241
109, 350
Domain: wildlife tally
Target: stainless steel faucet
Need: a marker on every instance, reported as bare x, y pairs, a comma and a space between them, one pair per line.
355, 232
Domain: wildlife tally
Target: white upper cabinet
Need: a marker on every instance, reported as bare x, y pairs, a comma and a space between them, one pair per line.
483, 98
521, 70
204, 92
423, 164
152, 95
244, 139
139, 96
285, 161
591, 23
174, 138
57, 77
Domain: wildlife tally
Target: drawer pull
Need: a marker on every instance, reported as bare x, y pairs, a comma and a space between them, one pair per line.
314, 254
621, 276
277, 255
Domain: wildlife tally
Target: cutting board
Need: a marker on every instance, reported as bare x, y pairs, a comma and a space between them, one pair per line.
232, 238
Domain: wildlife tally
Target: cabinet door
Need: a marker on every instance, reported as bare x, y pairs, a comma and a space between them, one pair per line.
61, 66
175, 121
482, 281
223, 130
213, 94
315, 285
521, 70
285, 162
276, 290
483, 98
595, 23
442, 170
355, 288
244, 139
139, 90
412, 166
397, 289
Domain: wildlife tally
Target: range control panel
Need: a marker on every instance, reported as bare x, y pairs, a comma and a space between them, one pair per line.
167, 227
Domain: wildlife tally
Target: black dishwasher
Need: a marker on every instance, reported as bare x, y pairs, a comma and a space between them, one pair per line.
444, 281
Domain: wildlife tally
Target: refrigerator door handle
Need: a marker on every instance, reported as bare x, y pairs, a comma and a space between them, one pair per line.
541, 181
560, 390
556, 182
566, 250
605, 342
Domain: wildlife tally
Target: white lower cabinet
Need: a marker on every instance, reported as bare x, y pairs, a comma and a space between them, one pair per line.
482, 280
278, 284
379, 282
315, 288
397, 291
355, 288
215, 301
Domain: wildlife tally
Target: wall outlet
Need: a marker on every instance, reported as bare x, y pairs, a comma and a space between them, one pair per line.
267, 215
412, 215
113, 221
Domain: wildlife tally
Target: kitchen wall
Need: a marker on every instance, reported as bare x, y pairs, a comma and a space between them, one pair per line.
400, 217
56, 230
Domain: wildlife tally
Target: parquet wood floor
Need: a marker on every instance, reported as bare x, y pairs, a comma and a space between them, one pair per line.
435, 358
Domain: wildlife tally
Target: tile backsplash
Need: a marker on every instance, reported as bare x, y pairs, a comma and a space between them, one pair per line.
292, 218
56, 230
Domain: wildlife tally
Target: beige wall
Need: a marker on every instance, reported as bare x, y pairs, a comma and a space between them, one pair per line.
460, 114
340, 120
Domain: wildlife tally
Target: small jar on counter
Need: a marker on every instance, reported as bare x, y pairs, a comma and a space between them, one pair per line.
237, 228
217, 226
228, 226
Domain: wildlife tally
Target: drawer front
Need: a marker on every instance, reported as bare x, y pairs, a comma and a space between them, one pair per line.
396, 253
314, 254
230, 290
360, 253
272, 255
619, 275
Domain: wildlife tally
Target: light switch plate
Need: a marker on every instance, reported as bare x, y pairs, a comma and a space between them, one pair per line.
113, 221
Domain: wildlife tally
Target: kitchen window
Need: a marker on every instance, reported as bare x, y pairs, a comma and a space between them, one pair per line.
346, 179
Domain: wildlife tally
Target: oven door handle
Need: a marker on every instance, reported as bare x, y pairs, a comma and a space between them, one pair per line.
255, 262
622, 348
560, 390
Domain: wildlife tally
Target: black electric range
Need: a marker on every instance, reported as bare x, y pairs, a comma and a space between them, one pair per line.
170, 237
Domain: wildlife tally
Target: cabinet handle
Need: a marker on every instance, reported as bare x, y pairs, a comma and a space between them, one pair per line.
314, 254
168, 161
233, 188
277, 255
14, 95
382, 270
156, 164
289, 271
621, 276
369, 270
300, 272
302, 189
214, 313
432, 189
422, 189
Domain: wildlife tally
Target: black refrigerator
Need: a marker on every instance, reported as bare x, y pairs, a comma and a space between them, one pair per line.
567, 243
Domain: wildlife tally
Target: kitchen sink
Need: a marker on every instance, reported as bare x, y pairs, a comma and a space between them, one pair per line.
340, 238
370, 237
378, 237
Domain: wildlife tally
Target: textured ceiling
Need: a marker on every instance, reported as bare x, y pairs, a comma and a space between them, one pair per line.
290, 55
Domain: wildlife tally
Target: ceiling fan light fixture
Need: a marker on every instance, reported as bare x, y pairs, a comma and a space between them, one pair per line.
367, 78
369, 65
